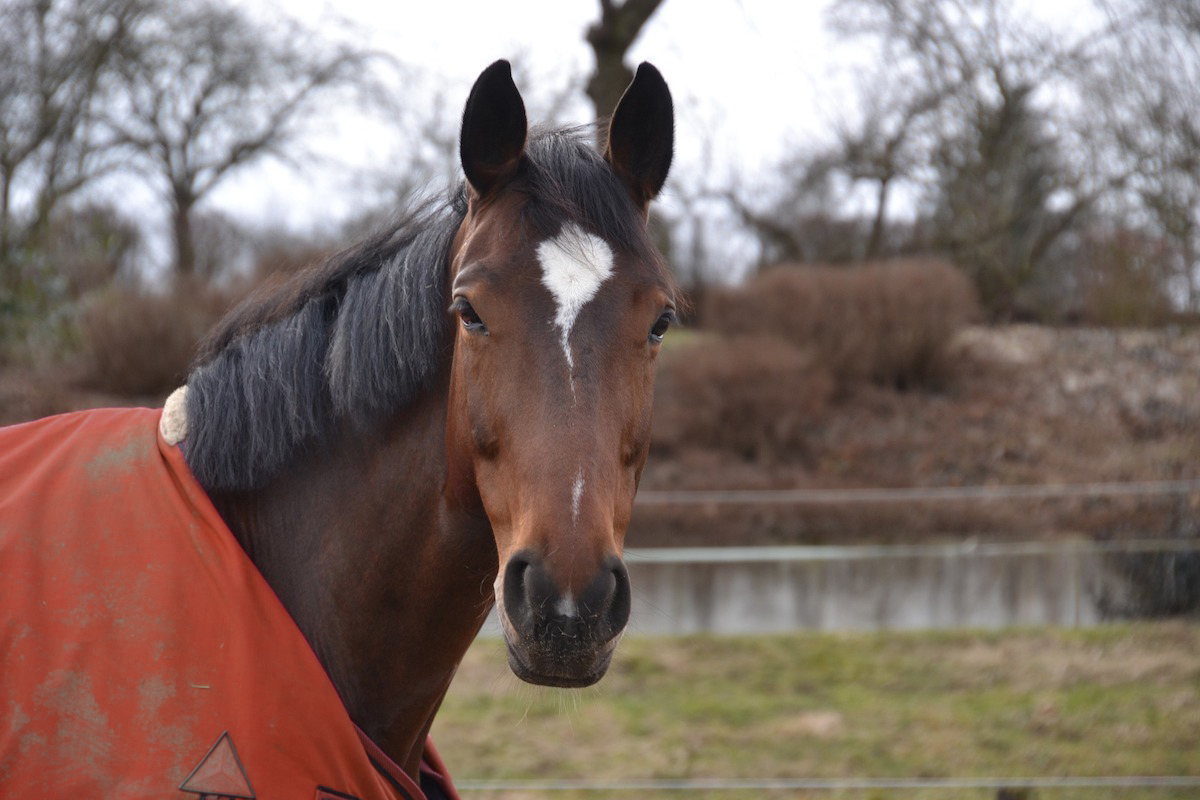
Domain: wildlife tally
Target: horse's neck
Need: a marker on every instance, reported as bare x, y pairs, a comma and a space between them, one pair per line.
385, 577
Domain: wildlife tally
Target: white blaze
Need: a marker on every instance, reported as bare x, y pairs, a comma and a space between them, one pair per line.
574, 264
576, 495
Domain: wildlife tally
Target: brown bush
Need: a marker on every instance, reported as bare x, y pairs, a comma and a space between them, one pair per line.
754, 397
136, 342
89, 247
1125, 280
889, 322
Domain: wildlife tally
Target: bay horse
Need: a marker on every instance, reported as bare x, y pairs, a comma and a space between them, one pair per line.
452, 414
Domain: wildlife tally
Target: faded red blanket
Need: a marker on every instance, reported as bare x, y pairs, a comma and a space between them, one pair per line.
142, 654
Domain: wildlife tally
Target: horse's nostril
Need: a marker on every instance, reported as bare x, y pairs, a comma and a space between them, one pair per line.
610, 587
515, 599
607, 600
535, 605
622, 597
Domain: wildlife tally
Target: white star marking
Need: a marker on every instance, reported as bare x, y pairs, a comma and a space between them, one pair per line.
574, 264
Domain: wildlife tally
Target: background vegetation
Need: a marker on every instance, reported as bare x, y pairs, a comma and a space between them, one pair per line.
1057, 170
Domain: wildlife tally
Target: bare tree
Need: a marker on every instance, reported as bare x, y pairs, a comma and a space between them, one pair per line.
1147, 88
207, 90
798, 221
992, 210
54, 58
969, 120
610, 38
885, 148
887, 141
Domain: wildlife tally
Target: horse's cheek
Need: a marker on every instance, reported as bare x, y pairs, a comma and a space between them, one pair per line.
461, 481
640, 404
483, 423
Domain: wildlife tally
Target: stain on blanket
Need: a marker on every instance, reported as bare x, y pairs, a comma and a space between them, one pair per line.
121, 458
81, 737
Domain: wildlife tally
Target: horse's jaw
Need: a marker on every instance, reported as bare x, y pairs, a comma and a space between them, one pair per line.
573, 680
543, 665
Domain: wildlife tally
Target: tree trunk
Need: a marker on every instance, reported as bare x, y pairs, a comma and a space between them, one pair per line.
610, 38
5, 199
875, 244
1191, 267
185, 247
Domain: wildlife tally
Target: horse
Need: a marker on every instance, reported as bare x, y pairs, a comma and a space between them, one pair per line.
450, 415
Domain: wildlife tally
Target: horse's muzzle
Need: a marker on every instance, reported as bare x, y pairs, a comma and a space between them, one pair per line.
554, 638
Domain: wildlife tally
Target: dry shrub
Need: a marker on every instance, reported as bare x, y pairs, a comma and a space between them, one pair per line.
890, 322
1125, 280
754, 397
136, 342
89, 247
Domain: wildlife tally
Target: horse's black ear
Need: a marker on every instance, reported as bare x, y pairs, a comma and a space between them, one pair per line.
493, 129
641, 135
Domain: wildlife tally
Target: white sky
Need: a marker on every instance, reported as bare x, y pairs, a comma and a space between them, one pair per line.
746, 78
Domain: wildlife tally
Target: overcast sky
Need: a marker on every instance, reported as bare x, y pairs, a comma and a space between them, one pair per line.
752, 80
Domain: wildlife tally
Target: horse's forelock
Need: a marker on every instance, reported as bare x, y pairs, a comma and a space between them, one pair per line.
570, 182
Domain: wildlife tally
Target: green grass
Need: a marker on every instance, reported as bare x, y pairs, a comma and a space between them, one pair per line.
1121, 700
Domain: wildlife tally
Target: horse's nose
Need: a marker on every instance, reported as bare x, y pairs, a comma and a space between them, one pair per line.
538, 608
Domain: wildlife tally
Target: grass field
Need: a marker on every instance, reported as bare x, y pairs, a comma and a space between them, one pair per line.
1111, 701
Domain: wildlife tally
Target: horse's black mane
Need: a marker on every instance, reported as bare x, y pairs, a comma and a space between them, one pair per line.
366, 331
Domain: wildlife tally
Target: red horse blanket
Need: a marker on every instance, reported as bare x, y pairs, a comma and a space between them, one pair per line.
142, 654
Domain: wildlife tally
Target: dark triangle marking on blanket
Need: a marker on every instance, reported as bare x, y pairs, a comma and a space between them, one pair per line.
219, 773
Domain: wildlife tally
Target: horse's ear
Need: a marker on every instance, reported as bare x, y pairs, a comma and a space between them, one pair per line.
641, 135
493, 130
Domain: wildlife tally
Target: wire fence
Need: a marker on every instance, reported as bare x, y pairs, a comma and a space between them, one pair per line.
915, 494
835, 784
970, 548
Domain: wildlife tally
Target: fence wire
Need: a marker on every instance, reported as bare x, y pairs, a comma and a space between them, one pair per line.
835, 784
1039, 491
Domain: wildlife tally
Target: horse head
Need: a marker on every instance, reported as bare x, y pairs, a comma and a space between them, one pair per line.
561, 303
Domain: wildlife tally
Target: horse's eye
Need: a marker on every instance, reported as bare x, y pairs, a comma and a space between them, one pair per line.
660, 326
470, 320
